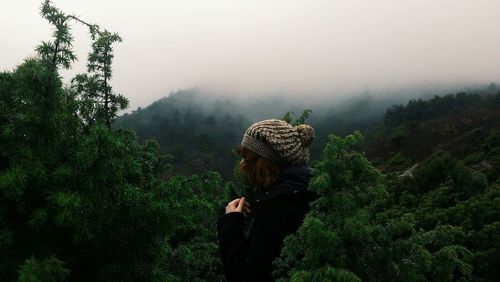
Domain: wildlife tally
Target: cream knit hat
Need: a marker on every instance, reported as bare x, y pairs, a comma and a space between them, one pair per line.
279, 142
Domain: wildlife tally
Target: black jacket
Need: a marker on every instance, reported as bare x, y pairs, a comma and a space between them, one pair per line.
278, 213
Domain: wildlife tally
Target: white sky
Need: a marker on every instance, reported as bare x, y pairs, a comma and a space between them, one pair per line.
249, 47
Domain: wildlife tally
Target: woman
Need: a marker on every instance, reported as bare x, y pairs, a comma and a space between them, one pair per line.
274, 158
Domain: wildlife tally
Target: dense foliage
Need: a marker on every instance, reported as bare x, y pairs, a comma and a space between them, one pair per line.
441, 223
80, 201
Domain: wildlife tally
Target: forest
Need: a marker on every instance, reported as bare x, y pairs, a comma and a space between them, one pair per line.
408, 190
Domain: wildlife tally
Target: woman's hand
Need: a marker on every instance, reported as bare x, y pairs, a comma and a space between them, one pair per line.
238, 205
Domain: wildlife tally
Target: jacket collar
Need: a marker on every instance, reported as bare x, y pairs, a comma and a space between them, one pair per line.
291, 180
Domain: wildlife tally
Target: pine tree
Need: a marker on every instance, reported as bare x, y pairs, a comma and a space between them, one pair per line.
348, 235
99, 103
81, 201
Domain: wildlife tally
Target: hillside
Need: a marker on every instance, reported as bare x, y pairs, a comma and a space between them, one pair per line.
458, 124
198, 134
200, 131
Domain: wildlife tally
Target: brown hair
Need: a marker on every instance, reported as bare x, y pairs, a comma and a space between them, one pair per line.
258, 171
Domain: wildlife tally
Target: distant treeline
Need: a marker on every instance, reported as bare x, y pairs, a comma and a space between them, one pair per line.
200, 132
457, 123
419, 110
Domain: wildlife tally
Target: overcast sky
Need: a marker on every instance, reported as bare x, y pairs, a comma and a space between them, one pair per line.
251, 47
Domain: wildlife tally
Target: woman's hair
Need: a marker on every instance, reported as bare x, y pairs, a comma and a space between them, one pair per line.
258, 171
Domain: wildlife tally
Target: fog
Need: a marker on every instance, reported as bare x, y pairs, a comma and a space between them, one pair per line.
303, 49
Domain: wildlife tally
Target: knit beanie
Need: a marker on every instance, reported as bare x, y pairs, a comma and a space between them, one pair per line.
279, 142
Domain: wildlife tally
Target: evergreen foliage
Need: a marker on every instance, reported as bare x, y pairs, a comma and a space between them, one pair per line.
99, 103
291, 119
440, 224
80, 201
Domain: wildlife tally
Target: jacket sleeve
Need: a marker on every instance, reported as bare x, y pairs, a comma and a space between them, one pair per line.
250, 260
232, 243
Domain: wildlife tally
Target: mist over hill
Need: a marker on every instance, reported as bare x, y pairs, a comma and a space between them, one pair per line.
200, 129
